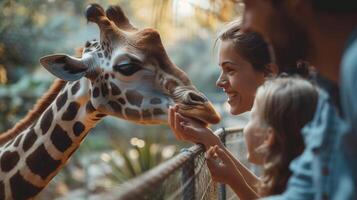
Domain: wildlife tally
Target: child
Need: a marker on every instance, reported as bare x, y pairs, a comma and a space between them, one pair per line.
281, 108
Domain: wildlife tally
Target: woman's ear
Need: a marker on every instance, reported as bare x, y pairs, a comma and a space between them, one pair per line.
272, 69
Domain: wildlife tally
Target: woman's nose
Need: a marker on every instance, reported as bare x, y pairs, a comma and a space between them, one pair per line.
221, 82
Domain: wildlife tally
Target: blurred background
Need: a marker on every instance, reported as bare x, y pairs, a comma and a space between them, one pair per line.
115, 150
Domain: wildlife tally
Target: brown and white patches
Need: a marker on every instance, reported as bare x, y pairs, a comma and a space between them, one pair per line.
21, 188
75, 88
146, 114
134, 97
104, 89
121, 101
78, 128
89, 107
60, 139
29, 140
115, 89
9, 160
61, 100
46, 121
158, 111
132, 114
117, 108
71, 111
41, 163
18, 140
95, 92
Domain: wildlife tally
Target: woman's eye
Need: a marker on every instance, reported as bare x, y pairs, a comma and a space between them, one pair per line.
230, 71
127, 69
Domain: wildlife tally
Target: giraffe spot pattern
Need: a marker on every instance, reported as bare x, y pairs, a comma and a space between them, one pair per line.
2, 190
146, 114
105, 90
134, 97
121, 101
115, 106
158, 111
9, 143
115, 89
29, 140
41, 163
95, 92
21, 189
71, 111
78, 128
155, 101
132, 113
89, 107
60, 139
61, 100
75, 88
18, 140
46, 121
9, 160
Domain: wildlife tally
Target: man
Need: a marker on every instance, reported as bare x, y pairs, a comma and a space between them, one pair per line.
323, 32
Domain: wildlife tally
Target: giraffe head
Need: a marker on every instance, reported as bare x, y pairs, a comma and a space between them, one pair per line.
130, 73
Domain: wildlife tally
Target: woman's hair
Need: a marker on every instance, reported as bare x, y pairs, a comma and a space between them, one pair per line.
252, 47
285, 105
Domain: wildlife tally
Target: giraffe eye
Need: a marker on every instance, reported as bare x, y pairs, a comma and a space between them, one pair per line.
127, 69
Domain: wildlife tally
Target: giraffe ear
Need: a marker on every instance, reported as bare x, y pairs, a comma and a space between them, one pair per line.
64, 67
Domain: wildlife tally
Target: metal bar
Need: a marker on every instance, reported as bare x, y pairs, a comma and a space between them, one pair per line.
188, 180
222, 193
149, 181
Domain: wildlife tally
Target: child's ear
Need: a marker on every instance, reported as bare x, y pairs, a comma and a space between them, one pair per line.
270, 138
272, 68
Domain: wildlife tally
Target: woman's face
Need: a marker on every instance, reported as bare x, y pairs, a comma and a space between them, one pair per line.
238, 79
255, 134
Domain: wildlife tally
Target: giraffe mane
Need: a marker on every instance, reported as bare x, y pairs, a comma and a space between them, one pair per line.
35, 112
37, 109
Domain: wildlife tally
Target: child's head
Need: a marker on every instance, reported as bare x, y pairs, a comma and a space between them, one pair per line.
281, 108
245, 62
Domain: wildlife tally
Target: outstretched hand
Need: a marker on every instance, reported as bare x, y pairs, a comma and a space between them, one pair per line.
192, 130
220, 165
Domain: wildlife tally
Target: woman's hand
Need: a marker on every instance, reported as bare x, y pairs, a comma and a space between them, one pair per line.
188, 129
221, 166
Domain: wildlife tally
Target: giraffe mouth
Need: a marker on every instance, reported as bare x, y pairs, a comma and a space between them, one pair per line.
194, 104
205, 113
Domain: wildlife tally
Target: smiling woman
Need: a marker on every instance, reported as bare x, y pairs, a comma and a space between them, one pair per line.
245, 63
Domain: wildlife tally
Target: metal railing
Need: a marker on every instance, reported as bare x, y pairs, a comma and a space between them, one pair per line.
187, 162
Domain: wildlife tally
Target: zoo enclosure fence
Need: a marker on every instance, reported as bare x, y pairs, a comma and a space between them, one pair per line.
184, 177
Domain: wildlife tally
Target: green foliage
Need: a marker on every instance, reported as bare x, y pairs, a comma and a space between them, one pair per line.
139, 158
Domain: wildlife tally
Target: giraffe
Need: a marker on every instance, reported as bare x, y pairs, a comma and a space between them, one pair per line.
126, 74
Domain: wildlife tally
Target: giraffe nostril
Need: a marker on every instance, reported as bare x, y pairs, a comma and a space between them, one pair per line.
194, 97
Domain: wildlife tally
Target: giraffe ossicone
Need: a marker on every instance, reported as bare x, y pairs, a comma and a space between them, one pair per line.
126, 74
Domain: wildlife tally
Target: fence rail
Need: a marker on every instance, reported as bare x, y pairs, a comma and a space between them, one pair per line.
149, 182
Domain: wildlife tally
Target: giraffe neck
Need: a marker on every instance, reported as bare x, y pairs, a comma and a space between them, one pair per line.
30, 160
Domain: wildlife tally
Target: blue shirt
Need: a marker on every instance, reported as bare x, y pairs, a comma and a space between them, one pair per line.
327, 169
348, 143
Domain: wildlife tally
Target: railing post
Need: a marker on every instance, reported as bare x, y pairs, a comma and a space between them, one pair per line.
188, 180
222, 193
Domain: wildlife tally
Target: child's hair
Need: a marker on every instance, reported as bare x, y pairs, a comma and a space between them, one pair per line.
252, 47
285, 104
